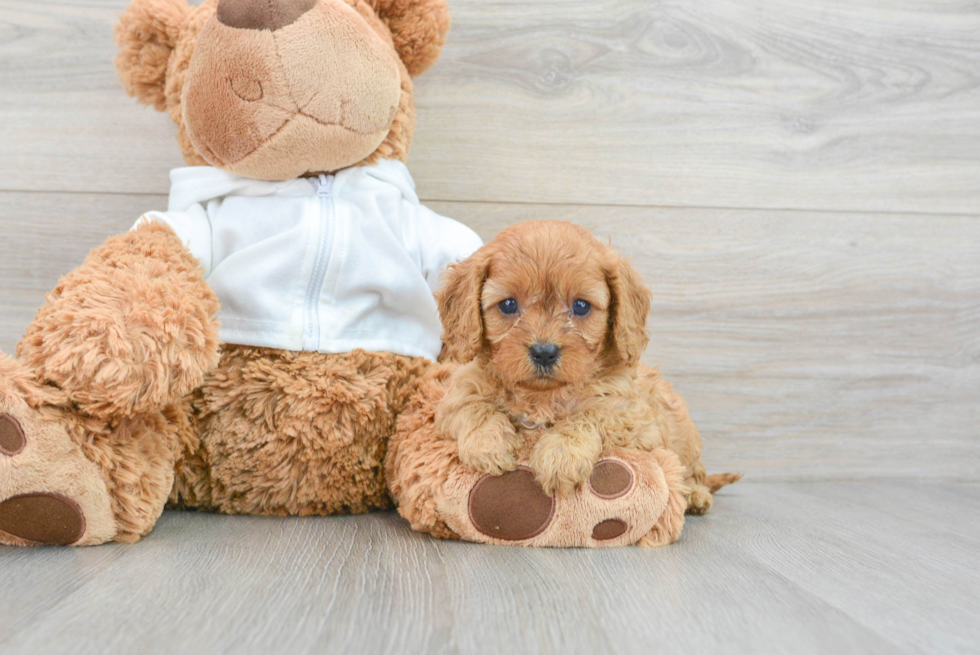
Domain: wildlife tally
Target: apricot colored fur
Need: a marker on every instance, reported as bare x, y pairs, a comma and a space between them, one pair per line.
597, 396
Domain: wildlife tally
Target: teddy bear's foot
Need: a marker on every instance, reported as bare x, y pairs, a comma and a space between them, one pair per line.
624, 500
49, 492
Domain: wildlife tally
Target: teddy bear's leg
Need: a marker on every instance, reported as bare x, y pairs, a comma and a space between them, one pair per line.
671, 522
632, 497
192, 471
69, 478
50, 493
420, 460
98, 390
301, 432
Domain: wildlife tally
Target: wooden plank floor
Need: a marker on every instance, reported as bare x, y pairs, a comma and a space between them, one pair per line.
774, 568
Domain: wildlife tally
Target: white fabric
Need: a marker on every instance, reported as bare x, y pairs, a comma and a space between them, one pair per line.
348, 261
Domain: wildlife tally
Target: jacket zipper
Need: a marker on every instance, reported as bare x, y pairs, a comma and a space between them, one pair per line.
311, 323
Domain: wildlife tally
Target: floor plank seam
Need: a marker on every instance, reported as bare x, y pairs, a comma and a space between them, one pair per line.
883, 213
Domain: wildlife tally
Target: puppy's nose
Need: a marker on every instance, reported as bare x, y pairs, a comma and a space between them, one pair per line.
262, 14
544, 354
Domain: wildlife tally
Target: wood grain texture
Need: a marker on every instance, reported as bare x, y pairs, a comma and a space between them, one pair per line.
761, 103
774, 568
809, 346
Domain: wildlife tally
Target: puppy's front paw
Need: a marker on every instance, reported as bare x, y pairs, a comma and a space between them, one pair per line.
561, 464
490, 447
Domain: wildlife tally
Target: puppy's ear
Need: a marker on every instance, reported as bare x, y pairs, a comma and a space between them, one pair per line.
146, 34
628, 314
459, 307
418, 28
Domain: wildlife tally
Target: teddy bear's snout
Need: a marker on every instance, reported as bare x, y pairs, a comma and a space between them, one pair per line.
312, 78
269, 15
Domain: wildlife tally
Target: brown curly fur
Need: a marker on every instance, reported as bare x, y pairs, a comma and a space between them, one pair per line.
419, 459
418, 29
124, 355
596, 396
294, 433
264, 432
131, 330
115, 349
134, 454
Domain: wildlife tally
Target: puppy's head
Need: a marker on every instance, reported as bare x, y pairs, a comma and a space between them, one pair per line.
547, 304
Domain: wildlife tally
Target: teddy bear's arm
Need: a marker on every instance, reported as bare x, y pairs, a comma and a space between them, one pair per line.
133, 329
443, 241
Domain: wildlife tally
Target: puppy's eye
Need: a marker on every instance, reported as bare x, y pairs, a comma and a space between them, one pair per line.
508, 307
581, 307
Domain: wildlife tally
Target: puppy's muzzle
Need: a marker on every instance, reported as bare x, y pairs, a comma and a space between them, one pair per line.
544, 355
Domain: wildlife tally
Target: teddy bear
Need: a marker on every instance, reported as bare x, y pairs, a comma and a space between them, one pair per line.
248, 350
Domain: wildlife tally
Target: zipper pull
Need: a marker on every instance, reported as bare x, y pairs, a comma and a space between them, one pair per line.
325, 186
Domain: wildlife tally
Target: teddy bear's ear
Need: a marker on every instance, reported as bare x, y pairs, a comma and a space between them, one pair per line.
418, 28
146, 34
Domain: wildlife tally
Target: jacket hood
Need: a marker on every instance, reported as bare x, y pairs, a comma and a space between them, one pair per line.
193, 185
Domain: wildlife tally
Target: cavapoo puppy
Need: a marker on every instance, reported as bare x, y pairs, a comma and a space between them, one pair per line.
552, 324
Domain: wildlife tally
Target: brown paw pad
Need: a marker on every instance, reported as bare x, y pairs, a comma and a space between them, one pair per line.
611, 479
43, 518
609, 529
512, 506
12, 439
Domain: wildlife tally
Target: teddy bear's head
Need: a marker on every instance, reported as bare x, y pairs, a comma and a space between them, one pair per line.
277, 89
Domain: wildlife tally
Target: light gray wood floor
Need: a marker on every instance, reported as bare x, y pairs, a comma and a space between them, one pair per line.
774, 568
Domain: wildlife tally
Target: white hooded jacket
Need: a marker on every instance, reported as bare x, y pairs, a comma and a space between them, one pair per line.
331, 264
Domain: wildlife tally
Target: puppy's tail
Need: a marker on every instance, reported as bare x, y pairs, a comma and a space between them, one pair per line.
718, 480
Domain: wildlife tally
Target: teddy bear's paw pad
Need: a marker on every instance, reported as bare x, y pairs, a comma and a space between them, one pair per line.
609, 529
42, 518
611, 479
12, 439
510, 507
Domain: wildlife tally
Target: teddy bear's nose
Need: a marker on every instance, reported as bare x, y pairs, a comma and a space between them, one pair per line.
262, 14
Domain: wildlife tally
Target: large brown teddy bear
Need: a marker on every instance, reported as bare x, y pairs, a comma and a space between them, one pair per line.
295, 227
